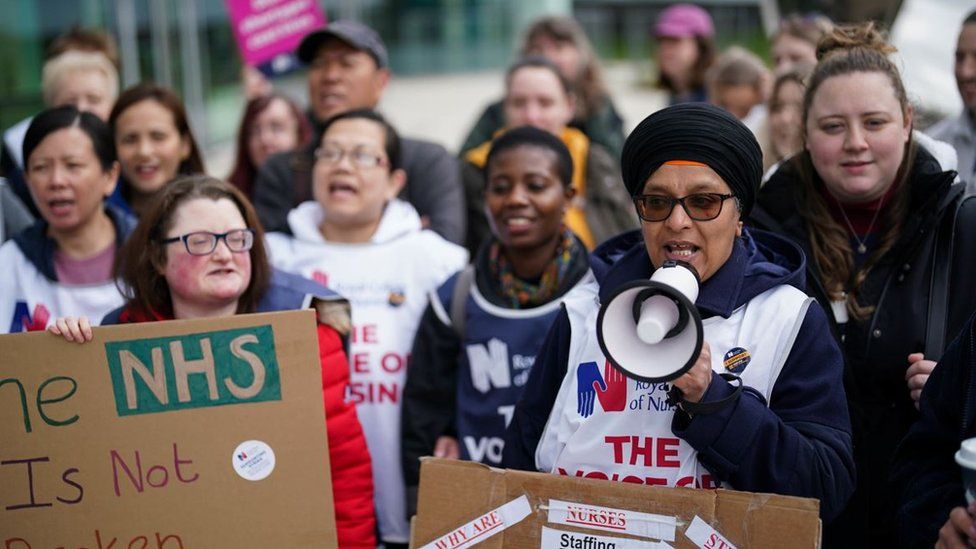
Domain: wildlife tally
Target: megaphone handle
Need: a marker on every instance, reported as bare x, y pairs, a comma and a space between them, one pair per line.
676, 398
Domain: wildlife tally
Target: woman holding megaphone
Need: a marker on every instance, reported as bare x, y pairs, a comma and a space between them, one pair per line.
759, 405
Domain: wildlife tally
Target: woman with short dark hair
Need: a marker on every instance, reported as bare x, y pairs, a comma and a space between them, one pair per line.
62, 265
510, 294
538, 94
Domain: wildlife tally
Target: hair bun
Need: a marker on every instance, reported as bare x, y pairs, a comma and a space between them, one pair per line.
849, 37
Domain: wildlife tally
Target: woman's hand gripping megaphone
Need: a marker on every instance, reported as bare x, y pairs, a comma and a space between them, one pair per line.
695, 381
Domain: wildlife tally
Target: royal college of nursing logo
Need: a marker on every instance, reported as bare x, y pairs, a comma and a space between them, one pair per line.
610, 388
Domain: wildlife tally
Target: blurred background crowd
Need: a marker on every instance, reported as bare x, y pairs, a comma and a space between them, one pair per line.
447, 55
122, 119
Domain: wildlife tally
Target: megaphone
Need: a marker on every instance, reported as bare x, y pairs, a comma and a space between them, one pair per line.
650, 330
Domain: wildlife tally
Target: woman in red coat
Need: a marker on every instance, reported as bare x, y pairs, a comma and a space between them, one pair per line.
199, 252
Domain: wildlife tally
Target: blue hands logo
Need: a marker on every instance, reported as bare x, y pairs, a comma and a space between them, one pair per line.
587, 379
610, 388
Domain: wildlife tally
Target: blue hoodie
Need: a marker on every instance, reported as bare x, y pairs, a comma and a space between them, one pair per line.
800, 444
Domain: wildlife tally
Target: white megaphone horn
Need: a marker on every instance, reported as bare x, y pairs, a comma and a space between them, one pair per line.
650, 330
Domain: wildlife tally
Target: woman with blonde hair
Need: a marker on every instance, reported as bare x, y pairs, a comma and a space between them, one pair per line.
887, 243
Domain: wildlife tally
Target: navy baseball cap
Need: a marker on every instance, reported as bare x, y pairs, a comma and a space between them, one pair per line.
353, 33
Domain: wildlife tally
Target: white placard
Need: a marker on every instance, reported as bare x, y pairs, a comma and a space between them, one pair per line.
562, 539
608, 519
484, 527
706, 537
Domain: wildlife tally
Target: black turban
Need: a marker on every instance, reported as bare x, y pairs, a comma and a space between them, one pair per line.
698, 132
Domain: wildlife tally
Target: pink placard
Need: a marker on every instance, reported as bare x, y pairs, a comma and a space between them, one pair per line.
266, 28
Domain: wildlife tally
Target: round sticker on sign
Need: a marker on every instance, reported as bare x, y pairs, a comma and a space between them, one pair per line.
253, 460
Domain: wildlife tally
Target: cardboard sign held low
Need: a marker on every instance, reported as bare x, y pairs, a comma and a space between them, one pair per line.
462, 504
184, 434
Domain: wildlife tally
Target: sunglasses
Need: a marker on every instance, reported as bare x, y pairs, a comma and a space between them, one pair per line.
698, 206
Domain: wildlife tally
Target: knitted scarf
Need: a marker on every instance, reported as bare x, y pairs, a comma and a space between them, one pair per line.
523, 294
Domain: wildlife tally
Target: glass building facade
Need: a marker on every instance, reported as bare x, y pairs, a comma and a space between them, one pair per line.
189, 45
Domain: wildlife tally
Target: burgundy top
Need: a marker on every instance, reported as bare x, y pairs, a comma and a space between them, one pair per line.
90, 270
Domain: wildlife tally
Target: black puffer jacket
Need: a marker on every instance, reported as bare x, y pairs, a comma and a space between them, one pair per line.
876, 349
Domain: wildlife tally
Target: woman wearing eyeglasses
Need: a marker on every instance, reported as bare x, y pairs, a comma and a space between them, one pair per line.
358, 238
199, 253
694, 171
62, 265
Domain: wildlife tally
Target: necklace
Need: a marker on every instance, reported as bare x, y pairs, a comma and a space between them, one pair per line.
862, 247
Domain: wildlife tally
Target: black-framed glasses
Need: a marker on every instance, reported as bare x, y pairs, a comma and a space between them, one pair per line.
205, 242
361, 158
698, 206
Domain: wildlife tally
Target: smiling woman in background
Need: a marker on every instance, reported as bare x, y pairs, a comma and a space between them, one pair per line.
271, 124
153, 142
510, 293
537, 94
866, 199
562, 41
785, 137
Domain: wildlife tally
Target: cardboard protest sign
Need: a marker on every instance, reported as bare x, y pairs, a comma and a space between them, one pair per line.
184, 434
265, 29
462, 504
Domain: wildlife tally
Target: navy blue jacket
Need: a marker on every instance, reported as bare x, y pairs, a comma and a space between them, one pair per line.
924, 475
799, 445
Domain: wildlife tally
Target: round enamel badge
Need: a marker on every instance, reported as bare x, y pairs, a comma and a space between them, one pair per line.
736, 360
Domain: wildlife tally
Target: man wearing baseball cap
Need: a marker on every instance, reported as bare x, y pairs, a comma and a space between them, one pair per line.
686, 48
348, 68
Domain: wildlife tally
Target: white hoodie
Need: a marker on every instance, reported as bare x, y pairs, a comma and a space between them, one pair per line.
387, 280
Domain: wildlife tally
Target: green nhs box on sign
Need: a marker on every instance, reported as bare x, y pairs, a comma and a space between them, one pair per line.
194, 371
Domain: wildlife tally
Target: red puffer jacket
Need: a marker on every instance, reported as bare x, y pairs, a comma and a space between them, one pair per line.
352, 475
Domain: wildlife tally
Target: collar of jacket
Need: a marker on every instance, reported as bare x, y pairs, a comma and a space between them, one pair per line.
39, 248
778, 200
489, 286
718, 295
574, 139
